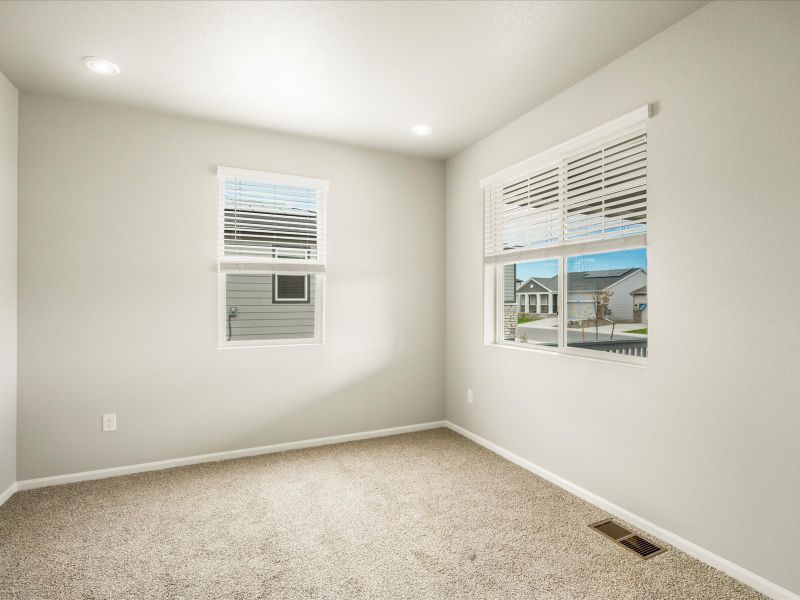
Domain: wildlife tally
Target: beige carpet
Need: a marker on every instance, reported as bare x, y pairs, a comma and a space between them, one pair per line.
423, 515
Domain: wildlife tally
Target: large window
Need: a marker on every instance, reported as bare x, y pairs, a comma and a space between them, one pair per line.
566, 236
271, 258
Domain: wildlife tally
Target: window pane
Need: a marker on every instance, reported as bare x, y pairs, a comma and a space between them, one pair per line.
607, 302
272, 220
251, 312
530, 313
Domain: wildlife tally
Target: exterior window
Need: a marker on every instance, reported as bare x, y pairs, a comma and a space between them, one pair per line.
571, 225
272, 258
291, 289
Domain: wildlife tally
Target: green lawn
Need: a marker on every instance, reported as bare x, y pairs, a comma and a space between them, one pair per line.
642, 331
527, 319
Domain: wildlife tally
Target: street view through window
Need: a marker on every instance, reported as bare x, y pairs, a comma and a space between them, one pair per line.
605, 308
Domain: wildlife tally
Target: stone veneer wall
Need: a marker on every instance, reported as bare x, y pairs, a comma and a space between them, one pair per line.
510, 314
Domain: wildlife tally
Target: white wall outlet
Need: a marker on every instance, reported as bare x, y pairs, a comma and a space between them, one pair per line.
110, 422
469, 397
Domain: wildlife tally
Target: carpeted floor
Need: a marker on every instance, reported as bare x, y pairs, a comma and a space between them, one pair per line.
422, 515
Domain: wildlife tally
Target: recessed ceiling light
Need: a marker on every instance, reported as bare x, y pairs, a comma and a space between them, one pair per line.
101, 66
422, 129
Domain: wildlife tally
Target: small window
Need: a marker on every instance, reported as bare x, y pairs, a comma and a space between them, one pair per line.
271, 258
291, 289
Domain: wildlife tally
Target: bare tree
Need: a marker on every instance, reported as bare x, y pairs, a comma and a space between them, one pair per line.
600, 300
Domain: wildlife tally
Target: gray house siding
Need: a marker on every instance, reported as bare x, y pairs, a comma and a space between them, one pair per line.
532, 286
258, 318
621, 303
509, 284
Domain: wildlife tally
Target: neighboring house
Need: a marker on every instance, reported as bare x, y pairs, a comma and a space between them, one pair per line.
640, 304
625, 288
538, 296
269, 306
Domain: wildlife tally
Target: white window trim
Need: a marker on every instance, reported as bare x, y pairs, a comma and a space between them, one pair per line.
495, 272
246, 265
280, 178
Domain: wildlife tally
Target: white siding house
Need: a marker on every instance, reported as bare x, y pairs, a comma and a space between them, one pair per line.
540, 295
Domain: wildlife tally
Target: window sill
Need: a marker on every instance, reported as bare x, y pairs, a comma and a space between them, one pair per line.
266, 344
619, 359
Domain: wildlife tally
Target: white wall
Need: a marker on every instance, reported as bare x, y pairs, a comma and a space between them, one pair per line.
8, 283
705, 441
118, 290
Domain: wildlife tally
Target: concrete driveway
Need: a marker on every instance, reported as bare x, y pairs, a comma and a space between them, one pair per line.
545, 331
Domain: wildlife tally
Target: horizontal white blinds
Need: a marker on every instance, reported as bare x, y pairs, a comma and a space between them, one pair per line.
524, 213
274, 222
605, 190
589, 194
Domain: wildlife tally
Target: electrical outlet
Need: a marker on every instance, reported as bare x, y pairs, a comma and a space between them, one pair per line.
469, 397
110, 422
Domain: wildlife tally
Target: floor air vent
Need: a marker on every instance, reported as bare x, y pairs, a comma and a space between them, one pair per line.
627, 539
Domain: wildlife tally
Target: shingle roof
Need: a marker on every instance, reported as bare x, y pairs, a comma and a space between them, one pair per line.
585, 281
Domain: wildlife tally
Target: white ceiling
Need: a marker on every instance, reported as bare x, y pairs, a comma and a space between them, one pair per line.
358, 72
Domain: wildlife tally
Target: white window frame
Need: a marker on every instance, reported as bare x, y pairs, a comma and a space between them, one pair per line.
495, 271
494, 297
315, 269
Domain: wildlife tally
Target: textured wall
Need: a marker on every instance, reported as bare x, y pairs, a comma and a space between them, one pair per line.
118, 240
704, 441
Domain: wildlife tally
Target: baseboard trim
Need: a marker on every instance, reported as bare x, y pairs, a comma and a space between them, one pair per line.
749, 578
8, 493
29, 484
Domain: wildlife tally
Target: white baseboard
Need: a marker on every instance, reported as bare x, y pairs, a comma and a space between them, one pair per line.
29, 484
8, 493
749, 578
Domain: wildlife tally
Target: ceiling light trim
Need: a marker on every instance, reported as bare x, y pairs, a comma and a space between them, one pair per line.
101, 66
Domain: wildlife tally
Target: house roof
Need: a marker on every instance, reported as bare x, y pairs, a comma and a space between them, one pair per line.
641, 290
584, 281
533, 285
